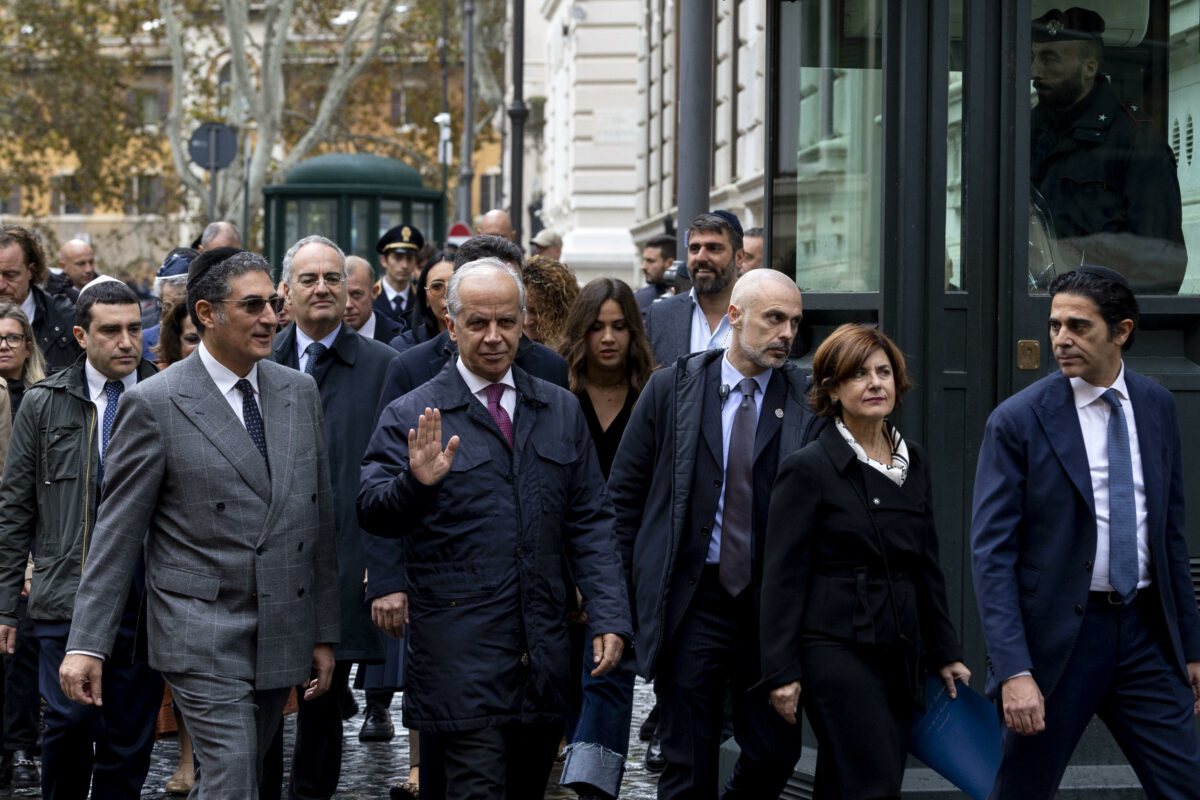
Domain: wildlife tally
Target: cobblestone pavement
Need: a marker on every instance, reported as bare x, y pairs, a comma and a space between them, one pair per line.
368, 769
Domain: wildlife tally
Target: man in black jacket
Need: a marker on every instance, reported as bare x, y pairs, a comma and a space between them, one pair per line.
690, 485
48, 500
349, 371
22, 272
1107, 178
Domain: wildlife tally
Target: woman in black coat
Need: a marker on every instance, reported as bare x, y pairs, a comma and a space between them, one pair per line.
853, 600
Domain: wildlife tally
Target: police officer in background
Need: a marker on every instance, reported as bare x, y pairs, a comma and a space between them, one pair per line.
1107, 178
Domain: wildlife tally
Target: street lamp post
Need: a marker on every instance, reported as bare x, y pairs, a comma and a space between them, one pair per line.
696, 59
517, 113
466, 174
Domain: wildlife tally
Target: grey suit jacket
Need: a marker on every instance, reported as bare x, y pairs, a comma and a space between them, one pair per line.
669, 327
241, 568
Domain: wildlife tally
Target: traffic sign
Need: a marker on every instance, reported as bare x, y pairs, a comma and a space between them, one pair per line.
459, 233
213, 146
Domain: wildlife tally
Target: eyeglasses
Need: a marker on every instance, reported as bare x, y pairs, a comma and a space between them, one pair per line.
437, 287
13, 340
331, 279
254, 305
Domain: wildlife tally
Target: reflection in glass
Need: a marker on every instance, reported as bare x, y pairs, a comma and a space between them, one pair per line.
954, 275
362, 243
826, 189
391, 214
1104, 175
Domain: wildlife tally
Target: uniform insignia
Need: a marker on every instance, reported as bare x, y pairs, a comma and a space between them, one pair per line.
405, 233
1053, 27
1103, 118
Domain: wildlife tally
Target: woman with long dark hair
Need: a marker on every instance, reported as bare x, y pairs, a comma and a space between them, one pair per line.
609, 361
430, 317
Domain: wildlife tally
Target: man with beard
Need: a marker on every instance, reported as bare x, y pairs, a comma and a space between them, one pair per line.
689, 323
1106, 177
710, 430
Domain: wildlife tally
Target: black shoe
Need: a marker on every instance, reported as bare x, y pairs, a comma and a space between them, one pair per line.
649, 724
377, 726
349, 705
594, 794
655, 761
25, 774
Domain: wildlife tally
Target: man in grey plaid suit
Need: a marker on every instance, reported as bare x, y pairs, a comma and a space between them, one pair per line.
218, 465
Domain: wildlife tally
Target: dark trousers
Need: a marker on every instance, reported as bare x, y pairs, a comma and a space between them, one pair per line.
107, 747
505, 762
714, 651
317, 757
860, 707
22, 709
1121, 669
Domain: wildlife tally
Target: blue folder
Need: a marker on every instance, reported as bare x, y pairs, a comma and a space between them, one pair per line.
958, 739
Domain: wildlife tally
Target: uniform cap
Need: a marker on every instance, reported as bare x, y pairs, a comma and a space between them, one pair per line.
401, 237
1073, 25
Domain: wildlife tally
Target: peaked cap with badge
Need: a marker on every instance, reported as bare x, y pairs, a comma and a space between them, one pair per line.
402, 237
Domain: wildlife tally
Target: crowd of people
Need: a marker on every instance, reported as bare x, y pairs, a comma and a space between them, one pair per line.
506, 495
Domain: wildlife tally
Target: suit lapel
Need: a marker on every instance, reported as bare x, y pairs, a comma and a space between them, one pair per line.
1060, 423
1150, 443
285, 348
682, 327
197, 397
275, 388
770, 418
710, 424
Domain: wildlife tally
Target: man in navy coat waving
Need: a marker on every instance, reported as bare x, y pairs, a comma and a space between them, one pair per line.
485, 516
1081, 569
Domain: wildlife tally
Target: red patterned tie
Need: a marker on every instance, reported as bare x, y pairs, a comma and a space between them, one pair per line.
494, 392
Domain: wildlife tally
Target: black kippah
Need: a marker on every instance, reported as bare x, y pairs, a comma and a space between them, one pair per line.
1104, 273
207, 260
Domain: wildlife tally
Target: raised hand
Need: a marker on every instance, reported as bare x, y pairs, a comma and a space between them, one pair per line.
427, 461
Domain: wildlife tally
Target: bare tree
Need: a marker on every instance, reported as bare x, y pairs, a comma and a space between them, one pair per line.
258, 96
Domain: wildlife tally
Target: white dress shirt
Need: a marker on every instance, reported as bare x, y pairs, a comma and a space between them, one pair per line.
391, 293
731, 377
704, 337
477, 386
226, 382
1093, 414
95, 383
368, 327
303, 340
29, 306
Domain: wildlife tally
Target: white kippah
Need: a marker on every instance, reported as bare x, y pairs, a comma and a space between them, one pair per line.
96, 281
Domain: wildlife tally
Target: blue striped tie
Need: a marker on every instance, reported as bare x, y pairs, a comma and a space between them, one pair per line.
1122, 510
313, 351
112, 396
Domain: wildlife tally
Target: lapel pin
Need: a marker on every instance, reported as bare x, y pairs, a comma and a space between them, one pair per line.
779, 413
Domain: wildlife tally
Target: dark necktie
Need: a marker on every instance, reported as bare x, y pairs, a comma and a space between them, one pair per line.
1122, 509
398, 304
313, 351
253, 418
494, 392
112, 394
737, 520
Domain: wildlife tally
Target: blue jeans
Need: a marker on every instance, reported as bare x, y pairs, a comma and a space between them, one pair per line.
600, 741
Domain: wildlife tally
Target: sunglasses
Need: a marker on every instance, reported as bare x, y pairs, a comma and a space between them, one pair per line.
254, 304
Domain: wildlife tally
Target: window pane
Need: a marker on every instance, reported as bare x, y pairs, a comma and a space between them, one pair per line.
955, 279
1113, 88
361, 241
391, 214
826, 189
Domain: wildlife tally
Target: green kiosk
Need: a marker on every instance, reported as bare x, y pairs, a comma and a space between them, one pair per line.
352, 198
